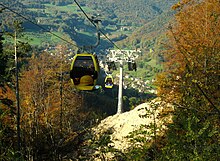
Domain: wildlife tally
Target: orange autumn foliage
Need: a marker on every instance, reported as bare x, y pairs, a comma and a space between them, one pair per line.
192, 53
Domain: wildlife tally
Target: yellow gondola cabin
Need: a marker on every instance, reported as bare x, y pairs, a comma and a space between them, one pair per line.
84, 71
109, 81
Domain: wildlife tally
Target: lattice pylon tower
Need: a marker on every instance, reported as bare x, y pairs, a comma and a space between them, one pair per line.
122, 56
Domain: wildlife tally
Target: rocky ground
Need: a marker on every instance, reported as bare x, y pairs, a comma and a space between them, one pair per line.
123, 124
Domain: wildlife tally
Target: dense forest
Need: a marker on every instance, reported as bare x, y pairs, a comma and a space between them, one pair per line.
43, 118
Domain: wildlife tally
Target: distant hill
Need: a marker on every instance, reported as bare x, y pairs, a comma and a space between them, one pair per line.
130, 12
119, 18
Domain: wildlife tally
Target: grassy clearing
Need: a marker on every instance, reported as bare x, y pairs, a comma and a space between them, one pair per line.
39, 39
69, 8
72, 8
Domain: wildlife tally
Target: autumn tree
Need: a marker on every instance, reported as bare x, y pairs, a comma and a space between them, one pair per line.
190, 81
52, 113
40, 100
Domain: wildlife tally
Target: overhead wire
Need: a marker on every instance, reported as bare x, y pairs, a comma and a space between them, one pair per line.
37, 25
46, 30
95, 25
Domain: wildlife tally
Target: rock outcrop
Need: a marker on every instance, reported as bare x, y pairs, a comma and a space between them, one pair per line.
121, 125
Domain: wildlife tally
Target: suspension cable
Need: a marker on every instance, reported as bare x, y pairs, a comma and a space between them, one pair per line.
69, 42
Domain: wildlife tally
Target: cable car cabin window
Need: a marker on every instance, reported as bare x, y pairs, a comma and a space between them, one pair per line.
83, 65
84, 62
109, 81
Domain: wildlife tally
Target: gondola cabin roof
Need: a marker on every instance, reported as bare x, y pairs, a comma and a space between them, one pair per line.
84, 71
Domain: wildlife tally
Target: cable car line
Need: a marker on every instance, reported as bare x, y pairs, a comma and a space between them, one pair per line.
92, 21
69, 42
83, 77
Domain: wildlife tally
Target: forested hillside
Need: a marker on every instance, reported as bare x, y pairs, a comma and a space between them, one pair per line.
44, 117
119, 18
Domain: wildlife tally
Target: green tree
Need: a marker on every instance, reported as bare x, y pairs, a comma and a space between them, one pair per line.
7, 96
3, 62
